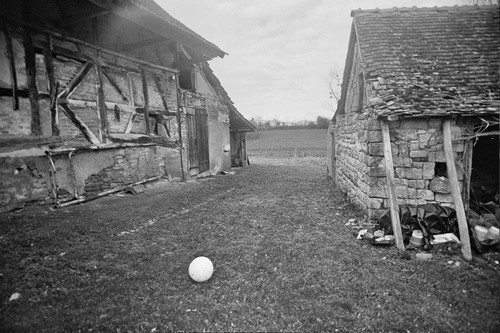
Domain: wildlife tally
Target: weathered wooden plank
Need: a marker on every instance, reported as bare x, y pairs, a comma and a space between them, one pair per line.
12, 65
146, 101
455, 191
145, 42
53, 86
68, 21
101, 105
164, 101
389, 172
30, 62
79, 124
77, 41
467, 162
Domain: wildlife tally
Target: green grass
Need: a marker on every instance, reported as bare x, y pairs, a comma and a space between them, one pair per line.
288, 143
284, 261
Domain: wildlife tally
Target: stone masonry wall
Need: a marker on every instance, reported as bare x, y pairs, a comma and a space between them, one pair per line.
418, 157
351, 156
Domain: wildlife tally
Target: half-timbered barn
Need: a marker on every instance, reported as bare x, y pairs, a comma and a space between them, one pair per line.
96, 95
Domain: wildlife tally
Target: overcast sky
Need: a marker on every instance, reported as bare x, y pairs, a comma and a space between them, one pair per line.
279, 51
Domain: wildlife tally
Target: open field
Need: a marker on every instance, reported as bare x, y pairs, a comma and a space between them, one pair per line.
288, 143
284, 259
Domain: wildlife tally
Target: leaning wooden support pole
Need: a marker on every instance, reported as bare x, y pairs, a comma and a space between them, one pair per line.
455, 190
389, 172
105, 193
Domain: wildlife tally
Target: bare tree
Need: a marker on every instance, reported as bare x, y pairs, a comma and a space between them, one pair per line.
333, 81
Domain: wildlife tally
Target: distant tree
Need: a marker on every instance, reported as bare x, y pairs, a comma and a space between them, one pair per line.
481, 2
322, 122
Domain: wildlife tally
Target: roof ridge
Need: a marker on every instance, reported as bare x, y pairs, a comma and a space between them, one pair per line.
456, 8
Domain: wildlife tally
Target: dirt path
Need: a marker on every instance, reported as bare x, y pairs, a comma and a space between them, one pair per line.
283, 257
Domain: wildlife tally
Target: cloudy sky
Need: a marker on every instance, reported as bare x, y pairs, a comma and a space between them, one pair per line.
279, 51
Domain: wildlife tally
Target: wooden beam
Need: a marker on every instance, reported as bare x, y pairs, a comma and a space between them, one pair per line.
467, 166
115, 85
144, 42
12, 65
94, 47
146, 101
30, 62
389, 172
101, 106
79, 19
79, 124
130, 89
53, 85
164, 101
455, 190
76, 80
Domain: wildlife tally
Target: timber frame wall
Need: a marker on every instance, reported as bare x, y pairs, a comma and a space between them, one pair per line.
78, 120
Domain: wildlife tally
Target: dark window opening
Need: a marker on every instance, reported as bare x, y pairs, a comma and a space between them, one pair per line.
186, 79
440, 170
484, 192
361, 92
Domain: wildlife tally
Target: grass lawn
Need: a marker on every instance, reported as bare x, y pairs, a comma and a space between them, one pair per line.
284, 261
288, 143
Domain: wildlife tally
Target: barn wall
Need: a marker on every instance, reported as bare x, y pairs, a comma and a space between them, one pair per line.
25, 171
27, 180
418, 156
218, 135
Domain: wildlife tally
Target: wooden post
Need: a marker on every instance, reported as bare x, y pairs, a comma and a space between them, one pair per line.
101, 105
53, 86
455, 190
467, 163
389, 173
164, 101
12, 66
30, 61
146, 101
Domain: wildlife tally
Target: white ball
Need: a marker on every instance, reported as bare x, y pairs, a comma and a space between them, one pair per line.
201, 269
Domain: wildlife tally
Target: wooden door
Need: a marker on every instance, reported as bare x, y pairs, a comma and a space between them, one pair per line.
198, 140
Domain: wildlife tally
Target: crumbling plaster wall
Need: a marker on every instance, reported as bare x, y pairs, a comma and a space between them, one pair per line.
218, 136
417, 146
26, 180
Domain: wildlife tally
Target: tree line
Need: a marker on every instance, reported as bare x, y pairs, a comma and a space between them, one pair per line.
264, 124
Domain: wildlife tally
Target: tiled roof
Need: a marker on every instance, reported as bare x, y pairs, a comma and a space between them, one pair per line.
431, 61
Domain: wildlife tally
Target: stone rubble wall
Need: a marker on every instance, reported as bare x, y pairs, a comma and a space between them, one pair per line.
417, 148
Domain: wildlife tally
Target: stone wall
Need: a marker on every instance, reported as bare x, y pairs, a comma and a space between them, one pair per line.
418, 157
351, 158
27, 180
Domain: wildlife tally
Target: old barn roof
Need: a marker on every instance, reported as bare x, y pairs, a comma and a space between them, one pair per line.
154, 18
430, 61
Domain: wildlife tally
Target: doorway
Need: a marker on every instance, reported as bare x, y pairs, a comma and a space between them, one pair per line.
197, 130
